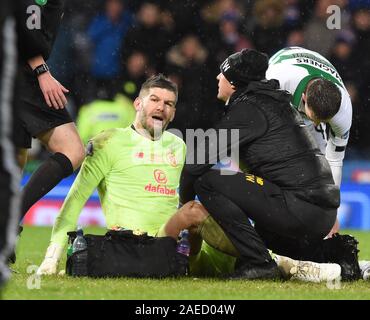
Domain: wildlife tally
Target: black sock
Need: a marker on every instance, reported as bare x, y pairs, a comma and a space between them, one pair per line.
45, 178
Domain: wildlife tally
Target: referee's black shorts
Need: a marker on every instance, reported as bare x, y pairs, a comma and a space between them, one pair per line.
34, 116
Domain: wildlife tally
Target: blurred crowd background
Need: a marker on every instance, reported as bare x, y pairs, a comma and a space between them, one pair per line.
106, 49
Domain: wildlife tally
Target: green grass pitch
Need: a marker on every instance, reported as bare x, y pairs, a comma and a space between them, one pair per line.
34, 240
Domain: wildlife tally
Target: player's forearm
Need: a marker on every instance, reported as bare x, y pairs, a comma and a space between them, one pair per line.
336, 170
79, 193
93, 170
67, 219
335, 152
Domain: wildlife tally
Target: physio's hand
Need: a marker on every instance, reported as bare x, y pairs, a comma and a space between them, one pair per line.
52, 90
50, 264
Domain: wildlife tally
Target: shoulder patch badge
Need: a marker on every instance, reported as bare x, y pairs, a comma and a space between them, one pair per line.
89, 148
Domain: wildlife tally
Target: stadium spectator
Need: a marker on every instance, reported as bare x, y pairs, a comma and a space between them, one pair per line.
361, 76
41, 107
107, 32
292, 14
148, 27
341, 55
287, 189
72, 53
212, 14
186, 16
295, 38
319, 94
135, 71
232, 39
9, 172
318, 36
269, 33
107, 112
187, 62
70, 60
214, 11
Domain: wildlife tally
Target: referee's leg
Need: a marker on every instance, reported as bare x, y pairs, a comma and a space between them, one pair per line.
9, 171
68, 152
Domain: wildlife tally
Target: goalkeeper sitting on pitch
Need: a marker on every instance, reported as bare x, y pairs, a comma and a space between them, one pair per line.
136, 171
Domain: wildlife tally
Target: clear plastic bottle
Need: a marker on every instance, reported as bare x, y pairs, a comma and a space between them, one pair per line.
183, 246
79, 244
79, 251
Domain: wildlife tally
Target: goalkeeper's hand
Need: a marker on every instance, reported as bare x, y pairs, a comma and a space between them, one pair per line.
50, 264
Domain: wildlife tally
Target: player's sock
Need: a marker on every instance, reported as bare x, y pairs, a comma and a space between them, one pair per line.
45, 178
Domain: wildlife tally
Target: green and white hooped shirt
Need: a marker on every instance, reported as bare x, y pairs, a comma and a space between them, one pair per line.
294, 67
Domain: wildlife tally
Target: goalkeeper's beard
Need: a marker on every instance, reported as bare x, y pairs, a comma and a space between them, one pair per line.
155, 130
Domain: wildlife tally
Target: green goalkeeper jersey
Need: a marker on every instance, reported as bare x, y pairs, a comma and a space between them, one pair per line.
136, 178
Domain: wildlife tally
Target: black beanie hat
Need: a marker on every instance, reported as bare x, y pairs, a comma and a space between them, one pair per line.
245, 66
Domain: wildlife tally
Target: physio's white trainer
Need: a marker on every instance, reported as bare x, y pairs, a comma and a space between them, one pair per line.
365, 269
308, 271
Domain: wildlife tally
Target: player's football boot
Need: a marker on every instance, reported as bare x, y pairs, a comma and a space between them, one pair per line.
267, 271
342, 249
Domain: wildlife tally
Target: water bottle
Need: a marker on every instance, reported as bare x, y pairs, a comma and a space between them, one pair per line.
79, 251
183, 250
183, 246
79, 243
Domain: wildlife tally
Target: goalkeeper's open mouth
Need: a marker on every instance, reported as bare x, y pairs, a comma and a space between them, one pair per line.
157, 118
158, 121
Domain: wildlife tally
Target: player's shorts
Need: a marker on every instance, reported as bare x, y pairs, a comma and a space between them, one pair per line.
210, 262
34, 116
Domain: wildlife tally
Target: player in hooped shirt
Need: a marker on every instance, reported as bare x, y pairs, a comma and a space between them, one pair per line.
320, 96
